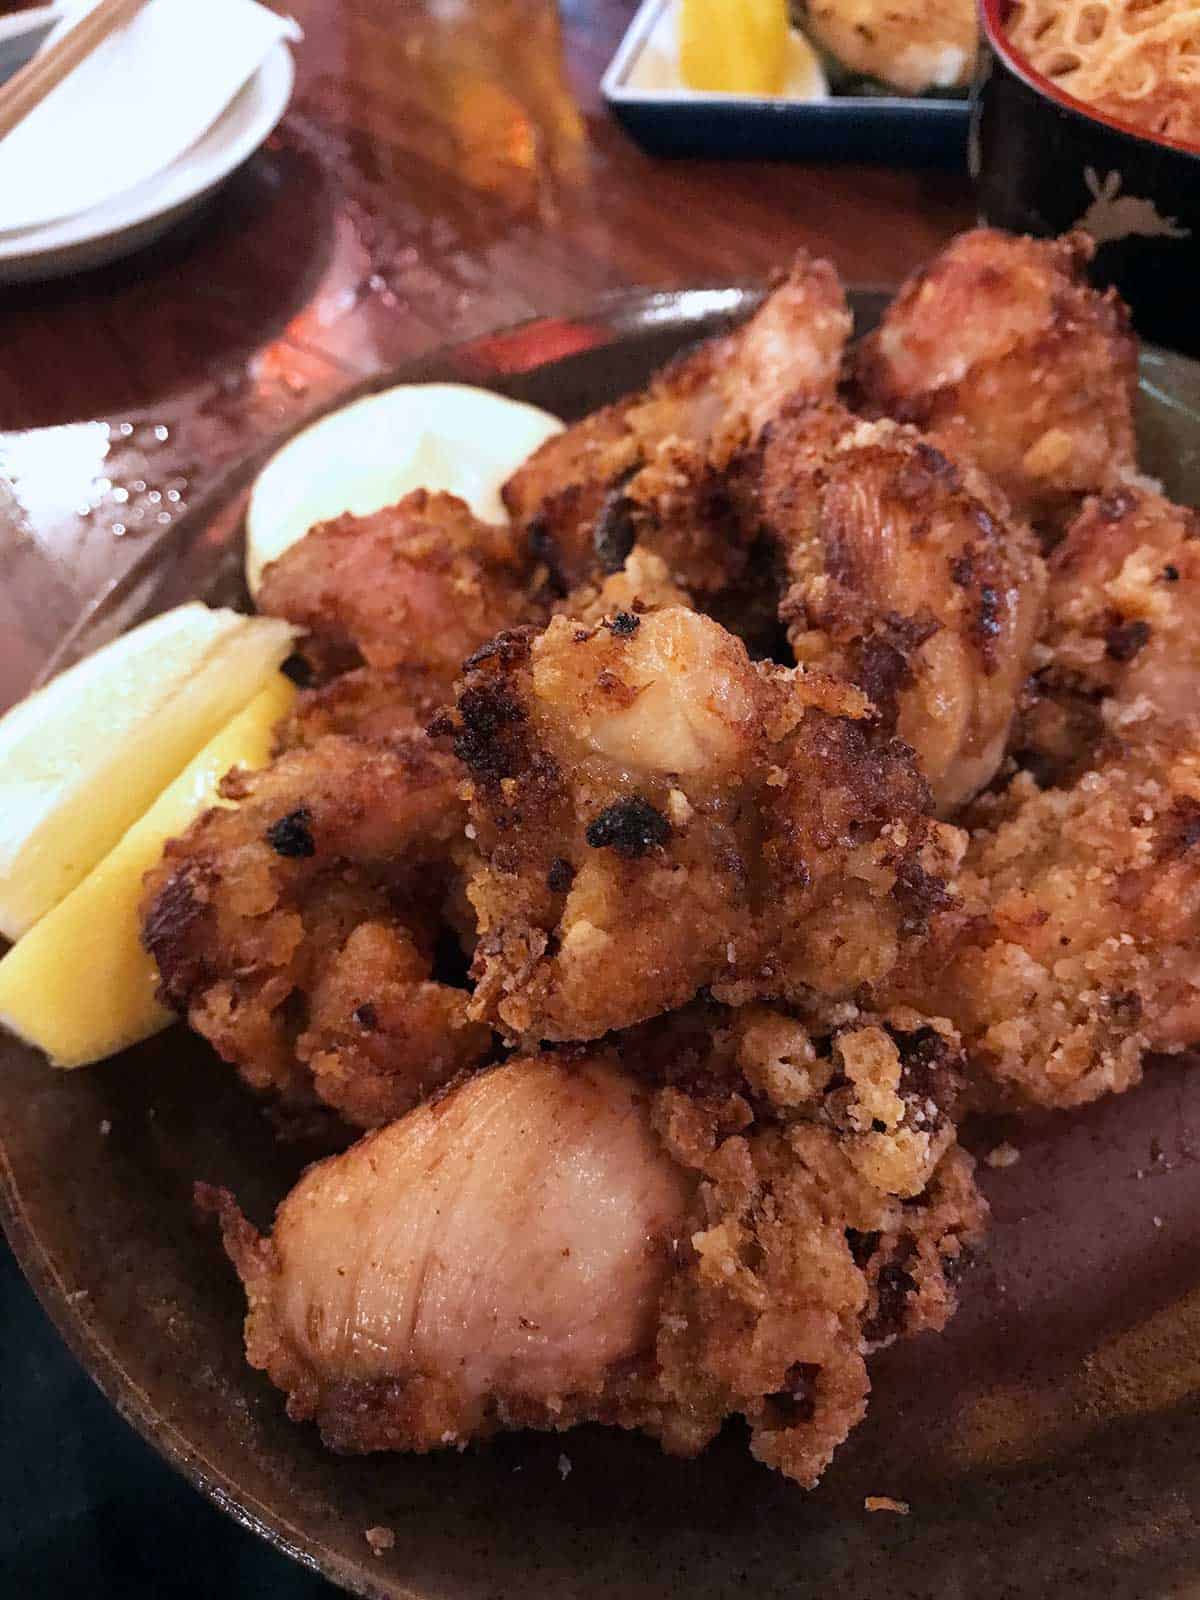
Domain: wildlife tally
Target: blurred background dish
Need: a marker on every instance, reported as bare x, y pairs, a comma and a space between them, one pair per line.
1044, 162
825, 108
142, 214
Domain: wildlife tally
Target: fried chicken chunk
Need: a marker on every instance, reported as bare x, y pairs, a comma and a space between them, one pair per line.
587, 1237
1121, 646
655, 813
1076, 946
909, 576
296, 930
411, 589
1000, 349
649, 469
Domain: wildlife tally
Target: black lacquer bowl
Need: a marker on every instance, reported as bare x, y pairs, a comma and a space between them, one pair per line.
1048, 1443
1044, 163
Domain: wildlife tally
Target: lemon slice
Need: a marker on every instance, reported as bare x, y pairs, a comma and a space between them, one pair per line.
79, 985
370, 454
81, 759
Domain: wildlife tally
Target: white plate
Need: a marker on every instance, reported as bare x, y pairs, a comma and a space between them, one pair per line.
140, 215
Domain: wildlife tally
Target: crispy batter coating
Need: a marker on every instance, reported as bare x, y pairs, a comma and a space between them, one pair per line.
720, 1215
1000, 349
650, 469
414, 588
643, 584
1075, 948
366, 703
656, 813
297, 930
909, 576
1120, 649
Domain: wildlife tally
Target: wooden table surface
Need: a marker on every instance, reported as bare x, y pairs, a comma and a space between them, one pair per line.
446, 167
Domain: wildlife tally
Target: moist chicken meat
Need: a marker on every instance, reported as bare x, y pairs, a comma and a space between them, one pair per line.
1000, 349
633, 1235
655, 813
650, 469
297, 929
908, 575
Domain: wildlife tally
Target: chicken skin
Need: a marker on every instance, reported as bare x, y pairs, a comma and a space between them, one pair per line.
412, 589
655, 813
618, 1236
1001, 351
907, 575
649, 470
297, 929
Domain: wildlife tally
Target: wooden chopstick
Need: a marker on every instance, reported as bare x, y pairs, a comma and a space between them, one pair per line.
30, 86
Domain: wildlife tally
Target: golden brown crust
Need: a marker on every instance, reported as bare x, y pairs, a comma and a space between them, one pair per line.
296, 930
1120, 650
1000, 349
908, 574
655, 813
1075, 949
413, 588
367, 704
650, 470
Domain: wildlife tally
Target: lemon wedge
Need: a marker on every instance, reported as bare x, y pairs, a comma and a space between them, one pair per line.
733, 49
81, 759
368, 455
79, 985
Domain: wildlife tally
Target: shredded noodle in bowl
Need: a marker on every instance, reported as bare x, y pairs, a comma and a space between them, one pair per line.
1134, 60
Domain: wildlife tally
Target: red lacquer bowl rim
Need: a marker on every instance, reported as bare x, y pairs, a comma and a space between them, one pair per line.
993, 14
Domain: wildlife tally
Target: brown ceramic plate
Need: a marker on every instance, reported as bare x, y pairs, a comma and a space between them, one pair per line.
1049, 1444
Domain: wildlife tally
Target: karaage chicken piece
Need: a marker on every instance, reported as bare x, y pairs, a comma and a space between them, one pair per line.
1120, 649
1075, 946
649, 470
907, 574
296, 931
585, 1237
999, 348
655, 813
413, 589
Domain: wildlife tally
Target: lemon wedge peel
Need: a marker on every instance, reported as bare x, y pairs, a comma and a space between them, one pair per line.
370, 454
81, 759
79, 985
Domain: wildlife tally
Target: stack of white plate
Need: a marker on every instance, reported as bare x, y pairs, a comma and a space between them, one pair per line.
137, 216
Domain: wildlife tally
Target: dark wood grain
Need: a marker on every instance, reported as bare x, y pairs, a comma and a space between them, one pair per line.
444, 170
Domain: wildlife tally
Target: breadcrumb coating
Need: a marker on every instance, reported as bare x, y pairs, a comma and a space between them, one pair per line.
655, 814
650, 469
297, 930
1000, 349
413, 588
907, 574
